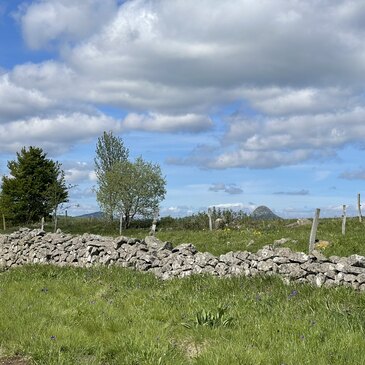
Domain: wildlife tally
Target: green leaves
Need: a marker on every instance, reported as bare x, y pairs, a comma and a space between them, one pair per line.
34, 189
126, 187
210, 319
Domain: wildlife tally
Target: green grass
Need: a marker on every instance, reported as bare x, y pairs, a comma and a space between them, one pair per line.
116, 316
255, 235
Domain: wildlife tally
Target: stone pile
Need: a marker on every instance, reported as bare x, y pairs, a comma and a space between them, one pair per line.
165, 261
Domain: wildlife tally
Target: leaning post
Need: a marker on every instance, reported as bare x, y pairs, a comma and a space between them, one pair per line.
312, 237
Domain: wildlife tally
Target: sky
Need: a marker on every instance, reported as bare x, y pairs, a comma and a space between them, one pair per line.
242, 103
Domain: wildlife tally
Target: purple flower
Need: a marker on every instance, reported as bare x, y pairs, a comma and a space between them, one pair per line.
293, 294
53, 338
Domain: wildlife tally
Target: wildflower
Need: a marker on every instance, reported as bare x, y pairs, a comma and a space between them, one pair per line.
53, 338
293, 294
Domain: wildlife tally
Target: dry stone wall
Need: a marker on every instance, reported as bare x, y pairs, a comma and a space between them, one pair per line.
165, 261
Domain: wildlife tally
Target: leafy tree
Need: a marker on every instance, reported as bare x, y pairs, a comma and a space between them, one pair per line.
35, 187
110, 150
133, 188
142, 189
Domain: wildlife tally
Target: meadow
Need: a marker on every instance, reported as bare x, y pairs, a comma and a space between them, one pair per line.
112, 315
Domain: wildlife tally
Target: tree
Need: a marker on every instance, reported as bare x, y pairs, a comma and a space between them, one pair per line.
128, 188
138, 187
110, 150
35, 187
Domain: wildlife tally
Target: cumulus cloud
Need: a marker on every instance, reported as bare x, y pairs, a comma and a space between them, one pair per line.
147, 56
167, 123
44, 21
17, 101
77, 172
48, 133
266, 142
232, 189
301, 90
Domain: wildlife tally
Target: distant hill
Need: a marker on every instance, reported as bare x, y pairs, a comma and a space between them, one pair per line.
263, 213
92, 215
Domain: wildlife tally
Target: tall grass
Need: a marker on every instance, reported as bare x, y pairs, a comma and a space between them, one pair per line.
115, 316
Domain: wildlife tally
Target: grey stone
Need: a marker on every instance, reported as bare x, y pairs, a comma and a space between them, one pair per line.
185, 249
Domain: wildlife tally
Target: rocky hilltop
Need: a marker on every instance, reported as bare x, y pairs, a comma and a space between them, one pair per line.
263, 213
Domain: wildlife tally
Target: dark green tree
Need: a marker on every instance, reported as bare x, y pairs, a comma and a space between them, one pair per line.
35, 187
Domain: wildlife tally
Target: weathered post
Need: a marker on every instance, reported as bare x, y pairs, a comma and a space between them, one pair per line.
66, 217
42, 224
4, 223
343, 220
210, 219
55, 222
312, 237
359, 207
154, 222
120, 224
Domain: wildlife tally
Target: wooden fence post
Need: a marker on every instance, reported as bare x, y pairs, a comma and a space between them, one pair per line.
210, 219
120, 224
4, 223
343, 220
154, 222
312, 237
359, 207
42, 224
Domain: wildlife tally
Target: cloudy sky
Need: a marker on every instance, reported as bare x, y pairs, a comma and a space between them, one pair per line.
241, 102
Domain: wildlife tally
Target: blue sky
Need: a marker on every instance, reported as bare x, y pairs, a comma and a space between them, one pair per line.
242, 103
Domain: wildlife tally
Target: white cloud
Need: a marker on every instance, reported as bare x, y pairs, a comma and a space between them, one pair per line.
55, 134
147, 56
44, 21
17, 101
299, 65
232, 189
167, 123
78, 172
270, 142
307, 100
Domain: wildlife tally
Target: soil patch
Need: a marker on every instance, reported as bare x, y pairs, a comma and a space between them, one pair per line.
14, 360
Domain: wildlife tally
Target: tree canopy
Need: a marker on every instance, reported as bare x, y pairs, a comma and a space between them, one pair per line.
128, 188
110, 151
34, 188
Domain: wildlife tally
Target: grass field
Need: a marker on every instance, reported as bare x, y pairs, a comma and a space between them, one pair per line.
115, 316
106, 316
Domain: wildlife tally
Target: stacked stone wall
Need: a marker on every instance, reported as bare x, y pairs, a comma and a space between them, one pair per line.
165, 261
